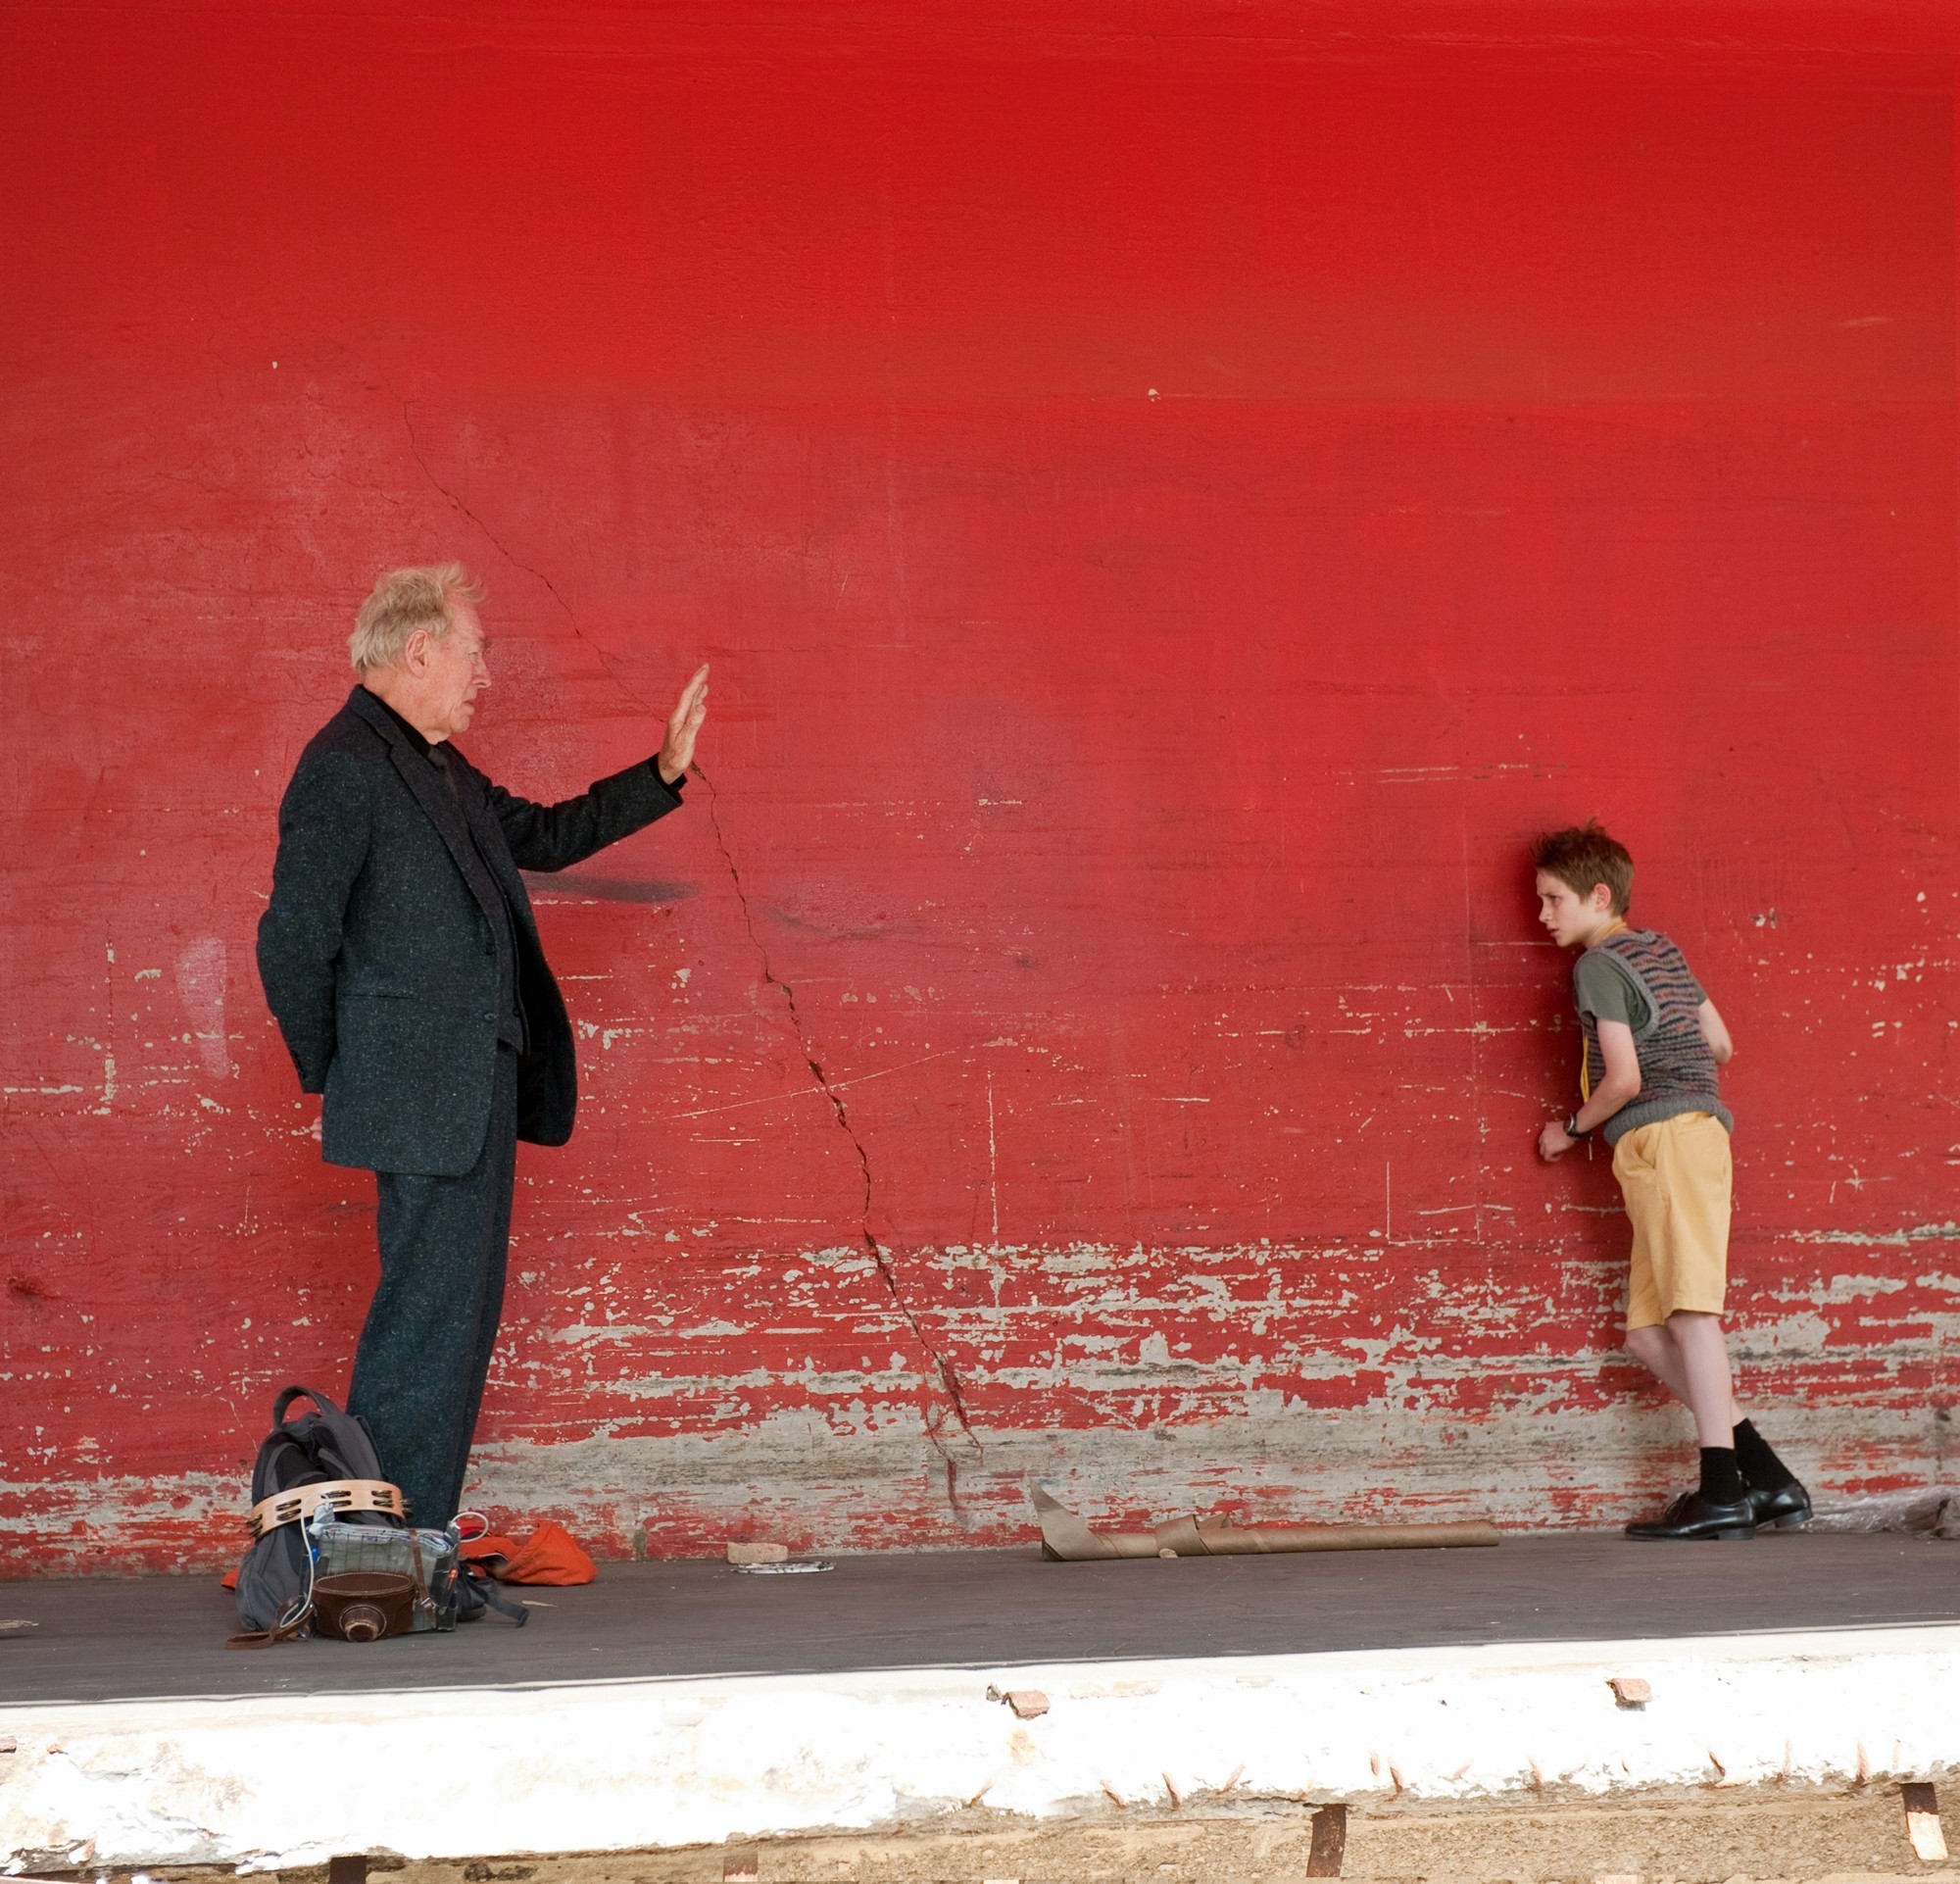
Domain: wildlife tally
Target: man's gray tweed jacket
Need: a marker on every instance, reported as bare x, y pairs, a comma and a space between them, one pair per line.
378, 950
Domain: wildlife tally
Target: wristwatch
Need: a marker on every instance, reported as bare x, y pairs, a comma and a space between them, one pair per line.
1572, 1127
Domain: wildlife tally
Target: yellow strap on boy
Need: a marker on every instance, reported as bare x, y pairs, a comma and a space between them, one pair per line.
1585, 1058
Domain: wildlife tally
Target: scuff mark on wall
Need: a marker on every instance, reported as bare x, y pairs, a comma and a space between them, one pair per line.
201, 987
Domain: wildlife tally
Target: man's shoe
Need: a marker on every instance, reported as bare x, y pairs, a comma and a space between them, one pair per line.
1693, 1515
1785, 1510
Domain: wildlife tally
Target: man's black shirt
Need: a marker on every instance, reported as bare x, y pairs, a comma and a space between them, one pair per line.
511, 1025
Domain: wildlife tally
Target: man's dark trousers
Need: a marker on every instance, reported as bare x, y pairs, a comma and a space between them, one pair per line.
426, 1351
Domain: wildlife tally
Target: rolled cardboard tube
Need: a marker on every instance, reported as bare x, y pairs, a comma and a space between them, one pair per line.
1066, 1537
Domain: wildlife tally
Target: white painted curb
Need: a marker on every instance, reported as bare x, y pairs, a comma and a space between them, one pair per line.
268, 1782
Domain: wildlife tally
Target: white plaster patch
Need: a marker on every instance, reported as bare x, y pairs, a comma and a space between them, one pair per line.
1859, 1288
201, 980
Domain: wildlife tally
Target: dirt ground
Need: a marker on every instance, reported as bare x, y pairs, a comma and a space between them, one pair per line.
1805, 1839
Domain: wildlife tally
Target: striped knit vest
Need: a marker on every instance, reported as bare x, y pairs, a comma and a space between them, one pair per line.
1678, 1072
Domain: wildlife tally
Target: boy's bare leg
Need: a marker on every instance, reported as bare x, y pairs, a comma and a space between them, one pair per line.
1707, 1388
1654, 1347
1659, 1353
1689, 1356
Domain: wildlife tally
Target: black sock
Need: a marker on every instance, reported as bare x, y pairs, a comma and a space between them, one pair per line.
1760, 1465
1721, 1477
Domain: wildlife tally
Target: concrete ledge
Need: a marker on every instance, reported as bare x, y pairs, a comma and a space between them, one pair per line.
272, 1782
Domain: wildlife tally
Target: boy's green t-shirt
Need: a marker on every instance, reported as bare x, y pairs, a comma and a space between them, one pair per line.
1607, 992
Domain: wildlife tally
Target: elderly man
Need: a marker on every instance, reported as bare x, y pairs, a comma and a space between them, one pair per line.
401, 961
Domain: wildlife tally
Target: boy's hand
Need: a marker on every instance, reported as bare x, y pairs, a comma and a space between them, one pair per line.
1553, 1142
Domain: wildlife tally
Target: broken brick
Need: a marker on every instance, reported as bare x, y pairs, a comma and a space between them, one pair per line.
1922, 1823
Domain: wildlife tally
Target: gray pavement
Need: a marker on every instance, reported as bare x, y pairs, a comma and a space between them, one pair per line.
160, 1637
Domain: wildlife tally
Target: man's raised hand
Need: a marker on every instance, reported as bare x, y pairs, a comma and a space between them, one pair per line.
690, 710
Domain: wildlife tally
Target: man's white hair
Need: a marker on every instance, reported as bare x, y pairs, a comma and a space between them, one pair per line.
404, 600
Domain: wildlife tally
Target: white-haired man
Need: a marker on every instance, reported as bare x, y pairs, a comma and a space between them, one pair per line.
401, 961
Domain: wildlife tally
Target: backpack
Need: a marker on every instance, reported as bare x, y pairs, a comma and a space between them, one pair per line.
317, 1485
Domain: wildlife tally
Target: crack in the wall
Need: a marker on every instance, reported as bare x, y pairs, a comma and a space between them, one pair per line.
941, 1366
495, 543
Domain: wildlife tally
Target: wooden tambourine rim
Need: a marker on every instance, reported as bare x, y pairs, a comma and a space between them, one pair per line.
338, 1494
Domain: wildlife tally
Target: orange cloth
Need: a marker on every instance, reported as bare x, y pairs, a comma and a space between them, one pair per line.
550, 1555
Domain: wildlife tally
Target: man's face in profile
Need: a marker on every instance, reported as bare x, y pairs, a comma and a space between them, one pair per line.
457, 670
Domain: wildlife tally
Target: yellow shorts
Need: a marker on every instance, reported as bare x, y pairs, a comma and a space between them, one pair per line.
1676, 1175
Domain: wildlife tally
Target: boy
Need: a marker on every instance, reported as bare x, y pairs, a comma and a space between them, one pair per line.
1649, 1086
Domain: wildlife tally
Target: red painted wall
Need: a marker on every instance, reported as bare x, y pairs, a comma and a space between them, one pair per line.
1174, 494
